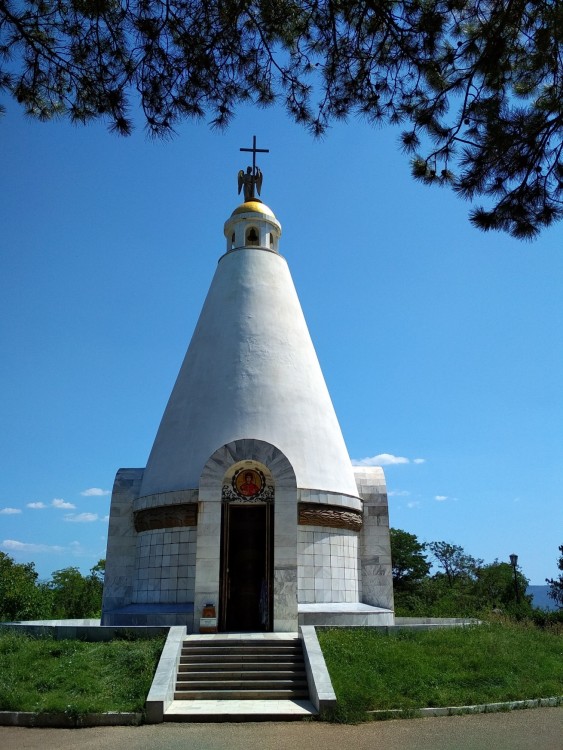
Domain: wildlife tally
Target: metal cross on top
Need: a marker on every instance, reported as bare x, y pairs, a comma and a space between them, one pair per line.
254, 152
252, 180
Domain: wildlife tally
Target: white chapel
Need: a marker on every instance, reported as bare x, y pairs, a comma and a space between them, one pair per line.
249, 505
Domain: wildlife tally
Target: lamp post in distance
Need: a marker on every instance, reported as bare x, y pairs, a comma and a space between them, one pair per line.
514, 563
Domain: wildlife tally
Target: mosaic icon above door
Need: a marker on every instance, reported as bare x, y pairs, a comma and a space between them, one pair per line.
248, 483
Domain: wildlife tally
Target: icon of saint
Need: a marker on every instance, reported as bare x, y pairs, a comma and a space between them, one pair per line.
248, 488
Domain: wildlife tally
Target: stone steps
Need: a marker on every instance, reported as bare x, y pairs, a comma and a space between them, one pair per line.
241, 670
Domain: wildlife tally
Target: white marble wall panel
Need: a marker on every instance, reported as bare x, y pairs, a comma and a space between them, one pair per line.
208, 554
122, 538
165, 566
327, 565
285, 558
375, 542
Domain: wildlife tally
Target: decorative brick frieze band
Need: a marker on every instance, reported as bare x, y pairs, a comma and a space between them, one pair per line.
166, 517
316, 514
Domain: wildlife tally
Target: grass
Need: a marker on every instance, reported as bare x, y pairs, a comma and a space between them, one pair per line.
369, 670
443, 667
73, 677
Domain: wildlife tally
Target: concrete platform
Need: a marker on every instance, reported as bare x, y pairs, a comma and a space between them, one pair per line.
344, 614
239, 710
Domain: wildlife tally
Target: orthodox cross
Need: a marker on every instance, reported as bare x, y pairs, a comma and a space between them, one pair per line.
254, 152
252, 180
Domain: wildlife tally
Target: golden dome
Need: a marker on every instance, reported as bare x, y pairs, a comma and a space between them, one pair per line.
255, 206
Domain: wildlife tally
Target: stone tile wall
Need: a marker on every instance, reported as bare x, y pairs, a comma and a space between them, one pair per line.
375, 544
122, 538
327, 562
165, 566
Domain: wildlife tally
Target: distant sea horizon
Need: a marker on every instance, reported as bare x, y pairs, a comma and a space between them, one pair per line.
540, 597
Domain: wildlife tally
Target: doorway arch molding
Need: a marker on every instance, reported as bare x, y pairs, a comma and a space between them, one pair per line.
208, 554
247, 450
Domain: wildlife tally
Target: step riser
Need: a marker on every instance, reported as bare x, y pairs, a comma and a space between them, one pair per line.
247, 659
224, 685
239, 667
250, 645
242, 643
203, 718
251, 695
287, 653
241, 676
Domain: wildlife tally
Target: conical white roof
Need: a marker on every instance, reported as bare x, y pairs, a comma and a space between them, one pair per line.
250, 371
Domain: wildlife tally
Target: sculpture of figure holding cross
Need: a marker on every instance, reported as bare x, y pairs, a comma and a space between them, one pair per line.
251, 181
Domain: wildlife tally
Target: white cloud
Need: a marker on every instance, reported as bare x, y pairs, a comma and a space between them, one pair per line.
440, 498
15, 546
398, 493
386, 459
59, 503
81, 517
10, 511
105, 518
414, 504
36, 505
382, 459
95, 492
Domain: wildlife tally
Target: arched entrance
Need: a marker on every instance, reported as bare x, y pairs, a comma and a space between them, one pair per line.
247, 534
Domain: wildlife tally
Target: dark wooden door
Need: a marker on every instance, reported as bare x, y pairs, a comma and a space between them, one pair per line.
246, 568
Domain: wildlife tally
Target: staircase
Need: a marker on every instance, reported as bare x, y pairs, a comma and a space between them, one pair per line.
240, 677
241, 670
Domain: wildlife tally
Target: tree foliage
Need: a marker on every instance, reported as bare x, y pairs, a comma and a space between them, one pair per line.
496, 585
556, 584
477, 85
21, 596
409, 562
462, 586
454, 561
68, 594
75, 595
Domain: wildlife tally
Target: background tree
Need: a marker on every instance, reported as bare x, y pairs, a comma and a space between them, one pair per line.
75, 595
97, 573
21, 596
476, 84
454, 561
495, 588
409, 563
556, 584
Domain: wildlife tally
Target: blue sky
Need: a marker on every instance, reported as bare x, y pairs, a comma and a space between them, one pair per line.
441, 346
